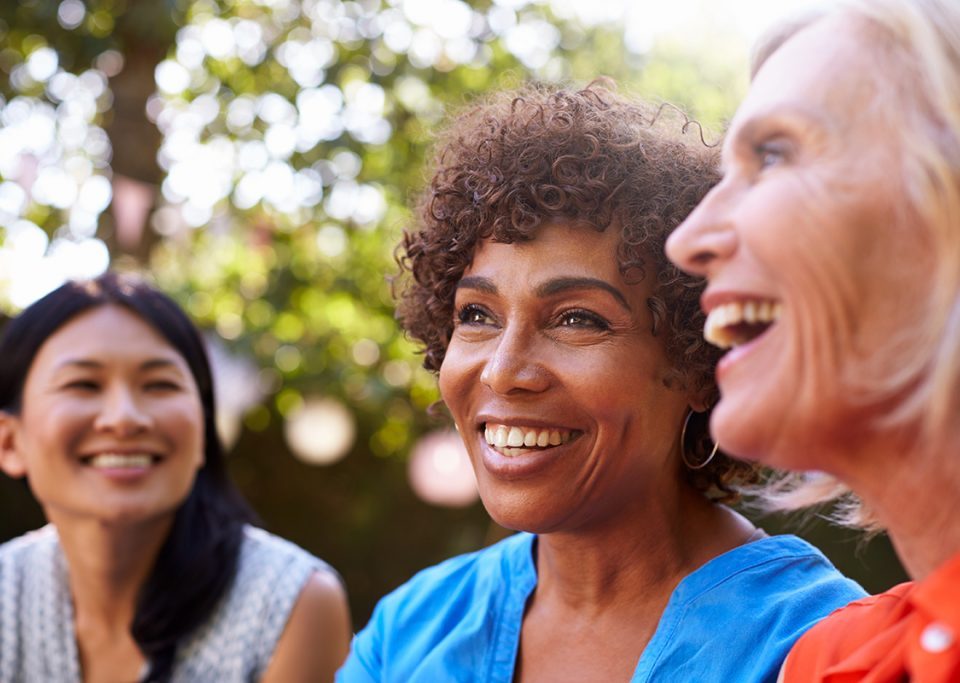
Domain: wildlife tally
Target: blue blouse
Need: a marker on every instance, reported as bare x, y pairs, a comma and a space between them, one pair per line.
731, 620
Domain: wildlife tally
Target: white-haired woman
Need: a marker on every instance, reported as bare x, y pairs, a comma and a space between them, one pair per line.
832, 250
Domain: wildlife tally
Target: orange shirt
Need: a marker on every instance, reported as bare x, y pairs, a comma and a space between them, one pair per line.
910, 633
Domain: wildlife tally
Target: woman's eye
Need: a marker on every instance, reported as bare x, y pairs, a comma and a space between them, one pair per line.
473, 315
769, 155
162, 385
579, 318
82, 385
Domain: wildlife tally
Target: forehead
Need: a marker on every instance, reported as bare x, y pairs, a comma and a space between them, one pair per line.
561, 250
557, 247
107, 334
825, 72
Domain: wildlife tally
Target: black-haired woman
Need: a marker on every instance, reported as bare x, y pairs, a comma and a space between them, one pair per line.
148, 569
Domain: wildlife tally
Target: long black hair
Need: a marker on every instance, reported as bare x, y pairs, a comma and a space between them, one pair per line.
199, 558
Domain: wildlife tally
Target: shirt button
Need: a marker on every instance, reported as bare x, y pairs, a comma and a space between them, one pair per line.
936, 638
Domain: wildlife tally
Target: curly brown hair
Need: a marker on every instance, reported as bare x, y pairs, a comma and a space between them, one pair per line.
518, 159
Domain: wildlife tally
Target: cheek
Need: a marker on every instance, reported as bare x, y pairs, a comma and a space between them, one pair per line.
454, 377
638, 366
184, 423
446, 380
44, 453
833, 275
814, 259
198, 445
812, 245
54, 430
626, 387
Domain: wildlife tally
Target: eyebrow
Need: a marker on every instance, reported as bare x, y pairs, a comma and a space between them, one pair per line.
790, 113
91, 364
550, 287
563, 284
481, 284
794, 114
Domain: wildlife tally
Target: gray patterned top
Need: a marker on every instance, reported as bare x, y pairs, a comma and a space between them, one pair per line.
37, 644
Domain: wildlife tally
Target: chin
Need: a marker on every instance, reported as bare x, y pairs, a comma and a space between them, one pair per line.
743, 435
135, 513
517, 515
508, 516
777, 439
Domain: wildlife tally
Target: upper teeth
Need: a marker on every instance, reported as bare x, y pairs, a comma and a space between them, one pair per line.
113, 460
717, 330
502, 436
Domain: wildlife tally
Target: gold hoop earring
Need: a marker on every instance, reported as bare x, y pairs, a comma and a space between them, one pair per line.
683, 447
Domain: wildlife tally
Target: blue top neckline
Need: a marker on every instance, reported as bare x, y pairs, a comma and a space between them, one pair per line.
711, 574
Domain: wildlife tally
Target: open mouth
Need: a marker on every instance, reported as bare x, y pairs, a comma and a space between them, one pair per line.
513, 441
739, 322
117, 461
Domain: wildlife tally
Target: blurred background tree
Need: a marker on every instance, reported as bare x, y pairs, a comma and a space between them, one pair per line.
257, 159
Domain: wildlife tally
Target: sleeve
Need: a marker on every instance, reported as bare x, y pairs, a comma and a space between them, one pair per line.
8, 620
365, 662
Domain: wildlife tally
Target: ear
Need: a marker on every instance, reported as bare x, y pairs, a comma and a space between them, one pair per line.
11, 462
699, 401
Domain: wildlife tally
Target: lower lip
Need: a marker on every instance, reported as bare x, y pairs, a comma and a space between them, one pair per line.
522, 466
737, 353
122, 474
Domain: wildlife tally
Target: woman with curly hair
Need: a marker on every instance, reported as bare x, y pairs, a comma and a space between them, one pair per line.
569, 355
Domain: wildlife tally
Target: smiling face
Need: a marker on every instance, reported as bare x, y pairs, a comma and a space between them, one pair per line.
111, 424
556, 383
816, 275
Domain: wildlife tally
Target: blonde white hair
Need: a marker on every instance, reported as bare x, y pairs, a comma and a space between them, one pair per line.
919, 42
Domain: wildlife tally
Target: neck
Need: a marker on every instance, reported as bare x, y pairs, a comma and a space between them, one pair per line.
915, 494
108, 565
636, 557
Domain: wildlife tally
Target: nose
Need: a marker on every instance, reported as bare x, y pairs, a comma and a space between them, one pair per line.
514, 365
121, 413
706, 238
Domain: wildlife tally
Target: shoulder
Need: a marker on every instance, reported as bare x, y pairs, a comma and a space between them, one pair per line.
787, 582
33, 595
322, 600
272, 575
263, 547
26, 563
320, 606
264, 555
867, 614
32, 550
767, 593
316, 637
459, 580
845, 631
446, 618
782, 566
280, 570
22, 547
268, 560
